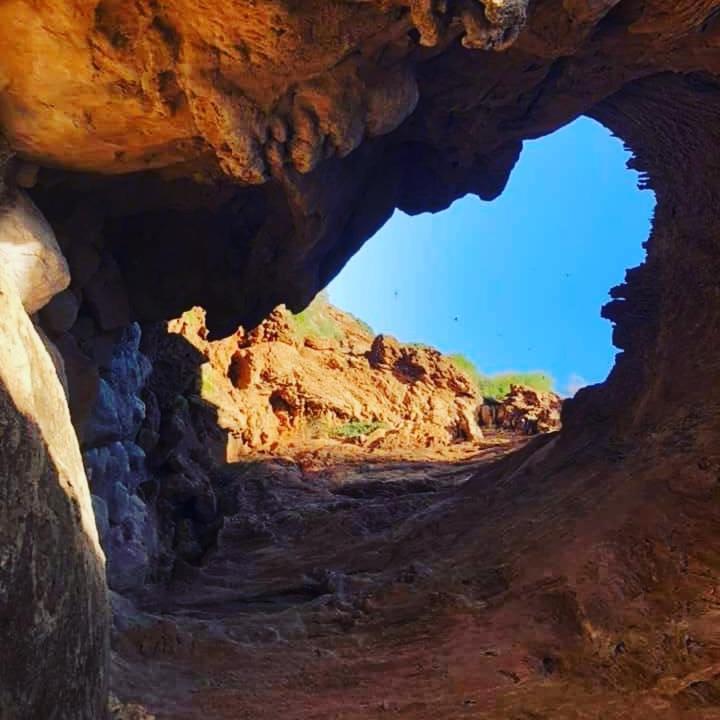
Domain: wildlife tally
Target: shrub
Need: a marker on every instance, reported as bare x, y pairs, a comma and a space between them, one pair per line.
361, 324
496, 387
355, 429
316, 321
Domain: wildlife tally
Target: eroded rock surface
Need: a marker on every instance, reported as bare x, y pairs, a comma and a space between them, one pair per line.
523, 409
54, 616
238, 154
29, 251
324, 375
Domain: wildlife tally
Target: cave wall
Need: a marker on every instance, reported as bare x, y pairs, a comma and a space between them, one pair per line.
276, 159
54, 614
665, 314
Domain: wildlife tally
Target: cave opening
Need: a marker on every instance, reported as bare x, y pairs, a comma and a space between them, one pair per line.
514, 286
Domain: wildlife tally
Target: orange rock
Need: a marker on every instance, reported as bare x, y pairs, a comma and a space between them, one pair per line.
274, 387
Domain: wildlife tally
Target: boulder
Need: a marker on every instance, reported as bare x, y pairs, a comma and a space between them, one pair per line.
54, 617
528, 411
29, 250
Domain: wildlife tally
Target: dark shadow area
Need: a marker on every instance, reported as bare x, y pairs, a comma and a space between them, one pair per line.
185, 448
53, 618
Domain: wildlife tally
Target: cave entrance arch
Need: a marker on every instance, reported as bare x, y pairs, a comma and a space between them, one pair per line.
515, 284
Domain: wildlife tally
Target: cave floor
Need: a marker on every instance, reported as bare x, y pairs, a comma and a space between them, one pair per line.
499, 583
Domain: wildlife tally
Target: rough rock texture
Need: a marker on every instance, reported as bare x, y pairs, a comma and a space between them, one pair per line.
54, 616
29, 250
233, 156
116, 465
523, 409
346, 109
279, 385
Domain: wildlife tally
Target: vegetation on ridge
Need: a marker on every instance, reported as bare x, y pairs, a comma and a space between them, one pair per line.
317, 321
356, 429
495, 387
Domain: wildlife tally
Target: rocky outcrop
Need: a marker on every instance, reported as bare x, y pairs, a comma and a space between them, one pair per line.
283, 385
30, 252
54, 617
523, 409
116, 466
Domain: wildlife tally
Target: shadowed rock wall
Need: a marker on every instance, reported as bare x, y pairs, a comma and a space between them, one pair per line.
294, 130
54, 617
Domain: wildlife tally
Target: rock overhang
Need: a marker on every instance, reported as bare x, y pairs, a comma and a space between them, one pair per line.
237, 155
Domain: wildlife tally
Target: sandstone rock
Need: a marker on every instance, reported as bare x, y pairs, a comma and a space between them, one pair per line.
102, 518
84, 261
56, 357
112, 417
530, 411
119, 506
6, 157
119, 412
149, 434
167, 93
523, 410
274, 386
128, 532
29, 250
384, 351
131, 547
106, 467
129, 368
116, 465
53, 606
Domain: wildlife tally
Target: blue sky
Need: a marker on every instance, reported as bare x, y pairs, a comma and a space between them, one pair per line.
515, 284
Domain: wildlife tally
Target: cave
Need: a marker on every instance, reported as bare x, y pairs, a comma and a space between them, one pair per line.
513, 286
234, 156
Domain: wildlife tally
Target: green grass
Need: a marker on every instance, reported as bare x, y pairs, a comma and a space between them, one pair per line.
317, 322
355, 429
361, 324
496, 387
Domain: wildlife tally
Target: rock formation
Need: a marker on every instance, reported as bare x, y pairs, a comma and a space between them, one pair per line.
280, 386
523, 409
54, 616
234, 156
